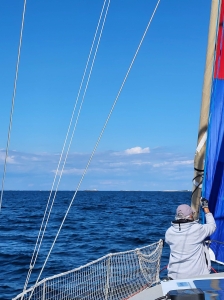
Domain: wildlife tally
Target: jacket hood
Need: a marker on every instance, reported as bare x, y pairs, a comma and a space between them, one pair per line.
182, 225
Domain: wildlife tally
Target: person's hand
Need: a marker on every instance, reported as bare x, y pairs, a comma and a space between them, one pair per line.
204, 203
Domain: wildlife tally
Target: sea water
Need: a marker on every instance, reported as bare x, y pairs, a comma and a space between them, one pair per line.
98, 223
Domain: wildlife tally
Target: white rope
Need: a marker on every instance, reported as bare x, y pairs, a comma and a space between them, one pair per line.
73, 132
13, 102
97, 143
40, 236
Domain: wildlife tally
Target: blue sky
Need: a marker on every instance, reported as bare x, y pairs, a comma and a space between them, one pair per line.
150, 140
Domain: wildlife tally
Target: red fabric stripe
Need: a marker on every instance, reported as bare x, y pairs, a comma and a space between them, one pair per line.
219, 61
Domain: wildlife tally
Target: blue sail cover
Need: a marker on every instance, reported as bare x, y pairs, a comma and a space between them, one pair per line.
213, 185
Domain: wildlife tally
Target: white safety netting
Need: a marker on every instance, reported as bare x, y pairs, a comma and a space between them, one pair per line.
114, 276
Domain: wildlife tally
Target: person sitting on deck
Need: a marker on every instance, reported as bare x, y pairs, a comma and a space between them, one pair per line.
189, 255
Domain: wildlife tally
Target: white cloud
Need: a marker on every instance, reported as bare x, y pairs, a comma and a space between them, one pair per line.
137, 150
122, 170
161, 164
184, 162
133, 151
141, 163
116, 164
10, 159
69, 171
113, 183
173, 163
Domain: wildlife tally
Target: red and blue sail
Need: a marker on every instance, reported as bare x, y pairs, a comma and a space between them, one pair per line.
213, 185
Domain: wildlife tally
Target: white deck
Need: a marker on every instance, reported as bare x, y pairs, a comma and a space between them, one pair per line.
162, 289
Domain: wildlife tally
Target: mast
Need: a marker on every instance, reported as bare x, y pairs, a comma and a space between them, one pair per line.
205, 104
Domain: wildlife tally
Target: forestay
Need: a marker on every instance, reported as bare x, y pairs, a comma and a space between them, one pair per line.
114, 276
213, 185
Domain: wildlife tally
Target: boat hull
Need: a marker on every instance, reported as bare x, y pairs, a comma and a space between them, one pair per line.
212, 285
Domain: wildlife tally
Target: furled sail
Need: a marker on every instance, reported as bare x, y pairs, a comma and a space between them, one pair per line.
213, 184
205, 105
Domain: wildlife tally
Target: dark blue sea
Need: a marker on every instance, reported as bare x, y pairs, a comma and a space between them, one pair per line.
97, 224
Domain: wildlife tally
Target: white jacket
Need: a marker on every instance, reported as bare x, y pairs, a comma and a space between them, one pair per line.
189, 255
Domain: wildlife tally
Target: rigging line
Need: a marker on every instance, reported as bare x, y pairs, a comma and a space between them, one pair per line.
197, 176
214, 241
87, 83
75, 128
13, 102
39, 240
197, 187
97, 143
